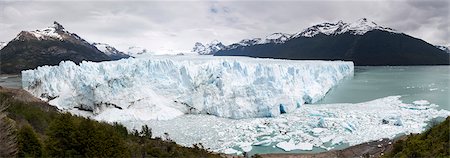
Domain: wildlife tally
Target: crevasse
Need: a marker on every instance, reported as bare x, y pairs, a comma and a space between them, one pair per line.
165, 87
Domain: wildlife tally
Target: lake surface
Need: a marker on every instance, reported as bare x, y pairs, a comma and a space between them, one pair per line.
411, 82
10, 81
372, 82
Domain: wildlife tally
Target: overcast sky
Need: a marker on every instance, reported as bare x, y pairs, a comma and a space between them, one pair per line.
177, 25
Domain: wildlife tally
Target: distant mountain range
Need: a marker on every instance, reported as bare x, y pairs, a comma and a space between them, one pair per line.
364, 42
49, 46
138, 52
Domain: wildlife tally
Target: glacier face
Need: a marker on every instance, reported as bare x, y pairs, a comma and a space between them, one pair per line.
165, 87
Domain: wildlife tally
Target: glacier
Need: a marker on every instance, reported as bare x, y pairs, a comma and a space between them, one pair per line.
237, 101
165, 87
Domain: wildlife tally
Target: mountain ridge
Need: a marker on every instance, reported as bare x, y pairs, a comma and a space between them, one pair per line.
358, 27
48, 46
364, 42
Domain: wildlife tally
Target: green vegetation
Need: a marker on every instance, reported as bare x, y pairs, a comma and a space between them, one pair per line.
45, 132
8, 145
29, 144
432, 143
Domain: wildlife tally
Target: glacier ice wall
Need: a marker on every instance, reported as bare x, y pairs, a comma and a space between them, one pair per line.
165, 87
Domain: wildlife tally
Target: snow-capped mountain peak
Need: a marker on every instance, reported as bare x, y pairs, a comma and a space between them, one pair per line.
51, 31
277, 38
358, 27
138, 52
209, 48
57, 27
54, 32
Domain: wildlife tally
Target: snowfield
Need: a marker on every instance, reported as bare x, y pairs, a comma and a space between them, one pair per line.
166, 87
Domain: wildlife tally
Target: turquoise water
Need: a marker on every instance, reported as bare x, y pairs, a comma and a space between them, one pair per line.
411, 82
373, 82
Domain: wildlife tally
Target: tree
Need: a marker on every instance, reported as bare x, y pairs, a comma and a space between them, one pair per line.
146, 132
8, 145
62, 140
28, 142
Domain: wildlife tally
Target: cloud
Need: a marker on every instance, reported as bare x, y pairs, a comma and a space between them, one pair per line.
177, 25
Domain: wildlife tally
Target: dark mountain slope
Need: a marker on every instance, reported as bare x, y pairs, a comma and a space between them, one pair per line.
363, 42
49, 46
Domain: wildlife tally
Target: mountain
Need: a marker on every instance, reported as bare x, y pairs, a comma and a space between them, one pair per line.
49, 46
138, 52
208, 49
444, 48
215, 46
112, 52
364, 42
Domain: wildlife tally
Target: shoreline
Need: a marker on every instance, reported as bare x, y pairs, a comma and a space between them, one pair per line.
370, 149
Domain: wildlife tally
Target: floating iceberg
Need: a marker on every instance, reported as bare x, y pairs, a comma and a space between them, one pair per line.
166, 87
299, 130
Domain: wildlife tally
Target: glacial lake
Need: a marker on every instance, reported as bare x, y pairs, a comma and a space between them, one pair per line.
412, 83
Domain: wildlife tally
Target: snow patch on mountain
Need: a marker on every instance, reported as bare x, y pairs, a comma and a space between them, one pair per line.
359, 27
139, 52
106, 48
444, 48
164, 87
3, 44
277, 38
110, 51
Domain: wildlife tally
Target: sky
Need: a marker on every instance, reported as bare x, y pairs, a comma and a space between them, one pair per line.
175, 26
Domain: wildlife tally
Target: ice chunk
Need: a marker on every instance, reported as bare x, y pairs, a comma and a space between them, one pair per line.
421, 102
263, 143
326, 138
230, 151
246, 148
318, 130
305, 146
349, 126
232, 87
287, 146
